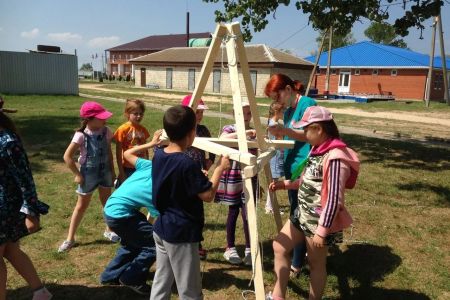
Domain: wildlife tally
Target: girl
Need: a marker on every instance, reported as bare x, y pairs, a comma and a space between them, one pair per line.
290, 95
130, 134
196, 154
276, 162
320, 216
93, 140
16, 188
230, 192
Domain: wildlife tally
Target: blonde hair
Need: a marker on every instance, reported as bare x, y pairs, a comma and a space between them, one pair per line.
274, 108
133, 104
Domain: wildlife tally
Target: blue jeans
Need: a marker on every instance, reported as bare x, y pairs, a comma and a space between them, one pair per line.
298, 257
136, 254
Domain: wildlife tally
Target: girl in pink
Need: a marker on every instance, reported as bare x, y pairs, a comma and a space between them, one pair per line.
93, 141
321, 215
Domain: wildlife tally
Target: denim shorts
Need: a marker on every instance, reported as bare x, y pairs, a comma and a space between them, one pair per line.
276, 165
93, 178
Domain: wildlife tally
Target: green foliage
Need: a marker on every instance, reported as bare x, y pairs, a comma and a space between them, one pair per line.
86, 67
384, 33
253, 14
339, 40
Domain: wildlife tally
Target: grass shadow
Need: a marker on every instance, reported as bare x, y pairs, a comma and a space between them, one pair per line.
441, 191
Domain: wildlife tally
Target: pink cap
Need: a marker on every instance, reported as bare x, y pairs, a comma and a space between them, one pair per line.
93, 109
314, 114
187, 100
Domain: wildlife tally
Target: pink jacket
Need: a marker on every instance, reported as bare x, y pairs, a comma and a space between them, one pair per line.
349, 169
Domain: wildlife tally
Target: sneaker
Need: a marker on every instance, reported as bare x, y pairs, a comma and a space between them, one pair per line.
112, 236
248, 257
269, 296
42, 294
202, 253
143, 289
232, 256
66, 246
110, 282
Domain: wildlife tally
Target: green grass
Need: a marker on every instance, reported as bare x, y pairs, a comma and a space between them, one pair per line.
398, 248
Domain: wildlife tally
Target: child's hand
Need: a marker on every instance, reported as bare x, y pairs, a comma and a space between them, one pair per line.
251, 133
79, 179
276, 185
318, 241
276, 130
205, 172
224, 162
157, 136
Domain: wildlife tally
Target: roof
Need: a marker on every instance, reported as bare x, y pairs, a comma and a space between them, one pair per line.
258, 53
159, 42
369, 54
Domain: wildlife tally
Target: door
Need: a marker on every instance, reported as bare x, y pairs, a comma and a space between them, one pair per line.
143, 83
169, 78
191, 80
216, 81
344, 82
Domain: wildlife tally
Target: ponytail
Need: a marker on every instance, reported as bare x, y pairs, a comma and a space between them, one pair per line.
279, 81
83, 124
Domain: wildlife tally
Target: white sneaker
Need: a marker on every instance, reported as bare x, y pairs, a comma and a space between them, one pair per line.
66, 246
112, 236
42, 294
232, 256
248, 257
269, 296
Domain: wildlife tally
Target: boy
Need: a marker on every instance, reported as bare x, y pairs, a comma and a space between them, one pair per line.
179, 187
133, 260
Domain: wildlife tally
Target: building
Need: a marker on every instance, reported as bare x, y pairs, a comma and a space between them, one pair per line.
179, 68
370, 68
38, 73
118, 62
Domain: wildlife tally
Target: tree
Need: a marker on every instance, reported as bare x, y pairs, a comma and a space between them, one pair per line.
86, 67
339, 40
325, 13
384, 33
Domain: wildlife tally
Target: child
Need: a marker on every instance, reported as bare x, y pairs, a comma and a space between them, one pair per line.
179, 189
129, 135
16, 188
93, 140
231, 193
196, 154
137, 252
276, 162
321, 215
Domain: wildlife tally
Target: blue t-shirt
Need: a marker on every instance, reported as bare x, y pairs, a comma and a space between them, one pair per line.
133, 193
176, 185
292, 157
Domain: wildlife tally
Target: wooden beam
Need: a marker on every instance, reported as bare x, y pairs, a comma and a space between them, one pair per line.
262, 160
277, 144
234, 154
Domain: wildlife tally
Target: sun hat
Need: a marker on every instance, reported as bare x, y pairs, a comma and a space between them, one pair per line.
187, 99
91, 109
314, 114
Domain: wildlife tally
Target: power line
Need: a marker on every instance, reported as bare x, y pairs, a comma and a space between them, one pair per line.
292, 35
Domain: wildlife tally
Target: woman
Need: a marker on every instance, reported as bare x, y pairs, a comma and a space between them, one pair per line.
289, 93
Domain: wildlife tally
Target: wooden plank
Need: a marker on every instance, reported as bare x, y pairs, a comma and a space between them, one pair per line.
262, 160
234, 154
277, 144
211, 55
273, 199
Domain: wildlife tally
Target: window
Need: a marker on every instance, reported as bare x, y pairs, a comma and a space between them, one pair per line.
113, 57
191, 80
357, 72
217, 74
375, 72
438, 82
169, 72
317, 70
131, 56
394, 72
120, 56
333, 71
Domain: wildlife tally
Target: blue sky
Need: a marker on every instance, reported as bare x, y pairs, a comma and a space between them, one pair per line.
95, 25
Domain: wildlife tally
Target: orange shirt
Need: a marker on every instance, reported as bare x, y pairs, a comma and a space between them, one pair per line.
129, 135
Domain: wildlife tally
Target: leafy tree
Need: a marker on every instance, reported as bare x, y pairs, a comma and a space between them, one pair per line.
384, 33
324, 13
338, 40
86, 67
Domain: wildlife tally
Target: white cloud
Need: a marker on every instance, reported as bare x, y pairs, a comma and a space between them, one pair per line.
103, 42
30, 34
66, 37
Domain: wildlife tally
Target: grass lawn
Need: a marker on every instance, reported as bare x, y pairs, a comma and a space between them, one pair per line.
397, 249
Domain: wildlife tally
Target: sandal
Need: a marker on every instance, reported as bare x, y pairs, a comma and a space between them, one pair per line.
295, 273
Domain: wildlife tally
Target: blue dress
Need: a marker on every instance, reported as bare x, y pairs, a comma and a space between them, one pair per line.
16, 188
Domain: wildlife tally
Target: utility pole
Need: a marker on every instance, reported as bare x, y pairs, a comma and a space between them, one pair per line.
430, 68
327, 80
313, 72
443, 58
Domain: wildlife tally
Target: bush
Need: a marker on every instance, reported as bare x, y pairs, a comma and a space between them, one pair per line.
114, 77
109, 77
128, 77
100, 79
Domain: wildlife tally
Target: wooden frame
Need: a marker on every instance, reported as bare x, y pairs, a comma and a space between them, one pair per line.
250, 164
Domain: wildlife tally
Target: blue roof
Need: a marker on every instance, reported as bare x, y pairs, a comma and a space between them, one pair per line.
369, 54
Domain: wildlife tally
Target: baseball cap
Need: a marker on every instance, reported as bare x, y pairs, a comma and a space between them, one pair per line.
314, 114
93, 109
187, 100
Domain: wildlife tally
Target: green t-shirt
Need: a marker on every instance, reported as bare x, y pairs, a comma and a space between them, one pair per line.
292, 157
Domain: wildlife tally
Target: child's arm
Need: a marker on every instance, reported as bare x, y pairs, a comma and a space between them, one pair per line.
119, 158
68, 159
111, 159
223, 164
295, 134
284, 185
233, 135
131, 154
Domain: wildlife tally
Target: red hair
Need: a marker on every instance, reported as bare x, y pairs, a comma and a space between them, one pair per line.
278, 82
